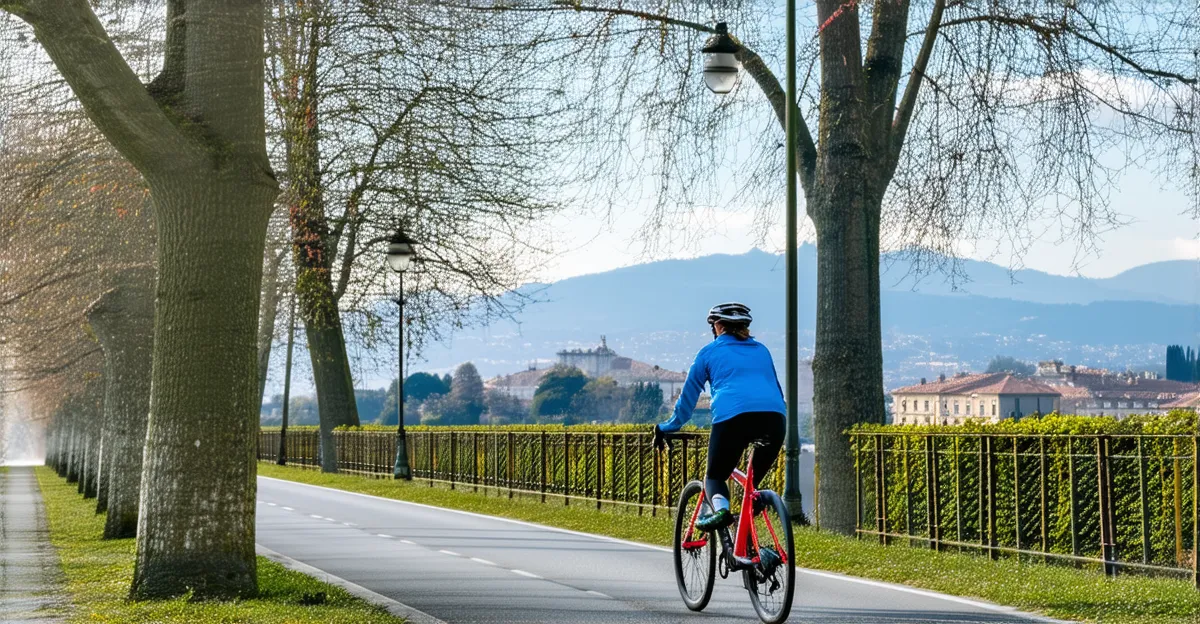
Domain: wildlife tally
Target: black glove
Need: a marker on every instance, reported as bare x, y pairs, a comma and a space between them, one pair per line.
660, 439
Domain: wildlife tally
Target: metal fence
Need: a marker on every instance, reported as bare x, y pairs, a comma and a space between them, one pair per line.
1121, 502
594, 467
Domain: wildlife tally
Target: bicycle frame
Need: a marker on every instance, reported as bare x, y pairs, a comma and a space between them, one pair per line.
747, 533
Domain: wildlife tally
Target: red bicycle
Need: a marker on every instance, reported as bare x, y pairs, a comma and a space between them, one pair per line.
761, 549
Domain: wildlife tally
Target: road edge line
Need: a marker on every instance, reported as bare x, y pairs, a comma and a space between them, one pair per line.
989, 606
395, 607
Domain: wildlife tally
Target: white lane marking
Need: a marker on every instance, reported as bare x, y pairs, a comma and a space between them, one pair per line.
315, 516
483, 561
409, 614
596, 593
349, 524
329, 519
385, 536
271, 505
409, 542
524, 573
288, 509
450, 552
900, 588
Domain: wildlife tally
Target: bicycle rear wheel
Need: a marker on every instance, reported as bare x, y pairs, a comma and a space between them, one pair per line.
695, 554
771, 582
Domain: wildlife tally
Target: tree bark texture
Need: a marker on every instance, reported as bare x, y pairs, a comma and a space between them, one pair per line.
196, 514
123, 320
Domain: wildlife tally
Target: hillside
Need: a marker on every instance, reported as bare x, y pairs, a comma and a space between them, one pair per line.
655, 311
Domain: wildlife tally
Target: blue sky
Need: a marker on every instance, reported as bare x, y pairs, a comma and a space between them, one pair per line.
1159, 228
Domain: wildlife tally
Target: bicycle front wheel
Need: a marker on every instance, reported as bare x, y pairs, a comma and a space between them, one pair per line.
771, 582
695, 552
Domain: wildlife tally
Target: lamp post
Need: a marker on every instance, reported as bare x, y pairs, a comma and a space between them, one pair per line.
720, 76
401, 250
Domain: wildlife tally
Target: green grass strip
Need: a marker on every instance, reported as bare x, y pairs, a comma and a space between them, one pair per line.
1054, 590
98, 573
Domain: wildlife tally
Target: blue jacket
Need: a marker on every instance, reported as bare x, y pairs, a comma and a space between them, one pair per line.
742, 376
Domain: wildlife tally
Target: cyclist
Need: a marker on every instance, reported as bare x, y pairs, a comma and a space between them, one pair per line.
747, 406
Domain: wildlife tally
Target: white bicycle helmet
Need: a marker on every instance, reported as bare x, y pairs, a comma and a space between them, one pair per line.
732, 312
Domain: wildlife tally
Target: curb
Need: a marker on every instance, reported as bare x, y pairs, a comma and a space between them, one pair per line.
395, 607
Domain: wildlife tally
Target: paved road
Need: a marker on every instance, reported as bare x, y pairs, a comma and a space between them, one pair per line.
29, 576
467, 568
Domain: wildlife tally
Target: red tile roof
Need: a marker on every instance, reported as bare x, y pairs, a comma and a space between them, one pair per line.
1190, 400
983, 383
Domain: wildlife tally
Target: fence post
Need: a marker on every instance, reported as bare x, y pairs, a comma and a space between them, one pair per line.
453, 457
880, 490
432, 453
1141, 458
908, 502
624, 466
653, 482
495, 460
544, 467
931, 482
1178, 471
475, 459
566, 469
958, 520
641, 478
982, 482
1196, 507
599, 468
1104, 499
1074, 508
1045, 513
511, 456
856, 439
1016, 442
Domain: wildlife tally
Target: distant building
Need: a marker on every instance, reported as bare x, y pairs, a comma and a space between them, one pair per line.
1189, 401
595, 363
986, 397
1100, 392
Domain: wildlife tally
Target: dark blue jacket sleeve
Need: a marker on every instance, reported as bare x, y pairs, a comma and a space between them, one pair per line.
684, 406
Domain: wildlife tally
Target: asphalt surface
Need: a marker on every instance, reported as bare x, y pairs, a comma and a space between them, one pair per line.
461, 567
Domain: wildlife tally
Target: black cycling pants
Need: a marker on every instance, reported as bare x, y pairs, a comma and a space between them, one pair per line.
729, 439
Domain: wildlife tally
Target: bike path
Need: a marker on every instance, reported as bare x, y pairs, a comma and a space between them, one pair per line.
30, 581
461, 567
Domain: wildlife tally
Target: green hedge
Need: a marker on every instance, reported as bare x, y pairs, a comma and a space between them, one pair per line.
1150, 461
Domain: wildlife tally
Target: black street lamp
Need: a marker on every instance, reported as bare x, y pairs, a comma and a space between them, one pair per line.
720, 76
721, 66
401, 250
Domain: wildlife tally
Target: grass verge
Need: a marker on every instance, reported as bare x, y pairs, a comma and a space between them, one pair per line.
98, 573
1056, 591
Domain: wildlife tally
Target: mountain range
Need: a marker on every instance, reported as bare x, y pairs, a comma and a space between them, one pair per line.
931, 323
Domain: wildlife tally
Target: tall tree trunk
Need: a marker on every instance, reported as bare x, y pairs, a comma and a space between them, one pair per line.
851, 173
196, 522
103, 459
281, 459
72, 442
123, 320
93, 414
314, 248
848, 358
268, 309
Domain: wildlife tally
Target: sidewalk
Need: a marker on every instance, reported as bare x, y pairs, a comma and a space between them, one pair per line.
30, 581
